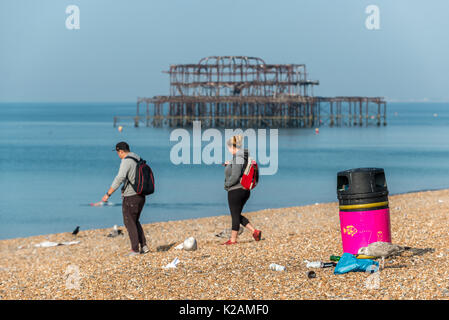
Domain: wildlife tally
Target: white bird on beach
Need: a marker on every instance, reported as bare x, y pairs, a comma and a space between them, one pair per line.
115, 232
382, 250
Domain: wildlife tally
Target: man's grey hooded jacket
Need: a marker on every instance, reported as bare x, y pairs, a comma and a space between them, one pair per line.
127, 169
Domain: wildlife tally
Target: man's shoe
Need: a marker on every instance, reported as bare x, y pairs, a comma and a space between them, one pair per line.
257, 234
229, 242
144, 249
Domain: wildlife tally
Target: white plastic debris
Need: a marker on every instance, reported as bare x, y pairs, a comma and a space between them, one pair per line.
312, 264
180, 246
276, 267
46, 244
68, 243
190, 244
172, 264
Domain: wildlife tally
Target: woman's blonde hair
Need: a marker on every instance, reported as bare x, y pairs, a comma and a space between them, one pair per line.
236, 141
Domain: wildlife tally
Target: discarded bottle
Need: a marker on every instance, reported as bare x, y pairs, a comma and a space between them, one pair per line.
319, 264
276, 267
334, 258
313, 264
328, 264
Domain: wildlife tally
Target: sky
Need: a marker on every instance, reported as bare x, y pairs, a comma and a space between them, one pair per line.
122, 47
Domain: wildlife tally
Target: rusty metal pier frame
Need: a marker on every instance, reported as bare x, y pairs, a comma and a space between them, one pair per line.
238, 91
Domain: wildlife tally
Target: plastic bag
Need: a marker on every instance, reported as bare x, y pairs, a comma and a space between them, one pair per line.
349, 262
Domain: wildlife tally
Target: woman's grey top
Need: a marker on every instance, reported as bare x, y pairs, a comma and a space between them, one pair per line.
233, 171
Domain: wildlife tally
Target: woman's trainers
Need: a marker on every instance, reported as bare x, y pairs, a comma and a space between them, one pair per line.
229, 242
257, 234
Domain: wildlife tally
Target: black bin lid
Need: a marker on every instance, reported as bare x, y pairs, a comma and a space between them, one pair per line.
353, 182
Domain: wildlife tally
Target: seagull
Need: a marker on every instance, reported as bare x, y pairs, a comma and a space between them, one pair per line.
115, 232
227, 233
382, 250
75, 232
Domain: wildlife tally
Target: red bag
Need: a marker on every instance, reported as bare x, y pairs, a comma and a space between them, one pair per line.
250, 175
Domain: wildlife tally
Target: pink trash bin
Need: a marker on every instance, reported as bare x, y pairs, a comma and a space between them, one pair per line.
364, 212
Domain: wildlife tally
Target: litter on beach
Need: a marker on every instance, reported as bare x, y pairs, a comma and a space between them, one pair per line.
172, 264
313, 264
348, 262
311, 274
319, 264
190, 244
180, 246
46, 244
276, 267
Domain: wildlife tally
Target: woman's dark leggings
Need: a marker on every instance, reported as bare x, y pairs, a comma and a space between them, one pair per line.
237, 199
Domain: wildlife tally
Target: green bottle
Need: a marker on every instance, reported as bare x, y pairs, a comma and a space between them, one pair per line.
334, 258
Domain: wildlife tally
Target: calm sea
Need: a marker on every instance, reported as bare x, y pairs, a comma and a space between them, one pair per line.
56, 159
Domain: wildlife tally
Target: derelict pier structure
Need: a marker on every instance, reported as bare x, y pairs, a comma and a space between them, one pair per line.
239, 91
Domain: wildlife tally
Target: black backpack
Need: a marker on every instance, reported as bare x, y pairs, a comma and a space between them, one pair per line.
144, 182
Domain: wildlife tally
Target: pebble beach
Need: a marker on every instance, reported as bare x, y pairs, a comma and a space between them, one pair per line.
97, 267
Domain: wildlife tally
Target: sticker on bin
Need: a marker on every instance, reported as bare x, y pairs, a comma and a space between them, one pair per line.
350, 230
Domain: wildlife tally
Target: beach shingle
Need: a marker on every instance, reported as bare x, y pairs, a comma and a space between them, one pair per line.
290, 235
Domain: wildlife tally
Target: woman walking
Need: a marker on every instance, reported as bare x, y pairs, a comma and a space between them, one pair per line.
237, 195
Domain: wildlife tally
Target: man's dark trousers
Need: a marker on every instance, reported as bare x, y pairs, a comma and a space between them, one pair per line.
132, 207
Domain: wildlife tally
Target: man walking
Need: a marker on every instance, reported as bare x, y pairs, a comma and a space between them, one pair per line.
133, 203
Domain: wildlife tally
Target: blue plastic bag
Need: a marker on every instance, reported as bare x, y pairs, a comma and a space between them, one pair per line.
349, 262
